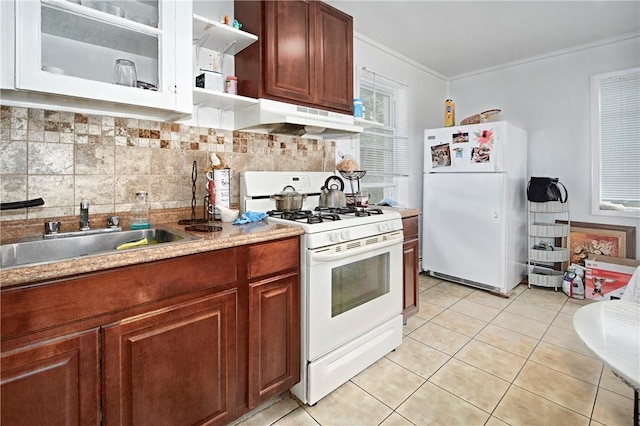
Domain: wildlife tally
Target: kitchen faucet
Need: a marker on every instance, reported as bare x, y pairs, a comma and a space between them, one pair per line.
84, 216
52, 228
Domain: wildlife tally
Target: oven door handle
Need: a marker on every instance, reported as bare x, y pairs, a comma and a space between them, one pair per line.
341, 255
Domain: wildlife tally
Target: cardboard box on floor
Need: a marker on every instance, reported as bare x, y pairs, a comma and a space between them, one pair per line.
607, 276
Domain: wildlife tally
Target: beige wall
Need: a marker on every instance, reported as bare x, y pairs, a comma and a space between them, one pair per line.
66, 157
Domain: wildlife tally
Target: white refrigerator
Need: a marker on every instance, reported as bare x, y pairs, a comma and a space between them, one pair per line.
475, 206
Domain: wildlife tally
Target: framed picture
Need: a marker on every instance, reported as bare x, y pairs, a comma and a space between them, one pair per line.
596, 238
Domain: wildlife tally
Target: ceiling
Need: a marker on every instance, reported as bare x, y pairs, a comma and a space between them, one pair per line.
454, 38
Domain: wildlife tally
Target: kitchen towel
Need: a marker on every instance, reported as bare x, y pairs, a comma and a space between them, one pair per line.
248, 217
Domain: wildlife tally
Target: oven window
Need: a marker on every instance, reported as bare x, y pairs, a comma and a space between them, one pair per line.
359, 282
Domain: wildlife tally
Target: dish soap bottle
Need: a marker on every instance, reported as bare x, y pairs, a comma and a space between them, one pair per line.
140, 212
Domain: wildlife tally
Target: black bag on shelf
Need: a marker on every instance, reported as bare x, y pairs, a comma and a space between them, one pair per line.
543, 189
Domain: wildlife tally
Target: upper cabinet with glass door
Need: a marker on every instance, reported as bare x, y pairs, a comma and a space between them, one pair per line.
70, 47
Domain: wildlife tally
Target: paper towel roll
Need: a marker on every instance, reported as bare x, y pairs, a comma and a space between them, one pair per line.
222, 180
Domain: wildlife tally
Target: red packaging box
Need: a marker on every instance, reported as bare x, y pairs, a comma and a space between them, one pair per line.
607, 276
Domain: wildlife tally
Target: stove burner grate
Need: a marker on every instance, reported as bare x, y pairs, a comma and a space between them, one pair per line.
319, 218
367, 212
336, 210
300, 214
358, 212
303, 216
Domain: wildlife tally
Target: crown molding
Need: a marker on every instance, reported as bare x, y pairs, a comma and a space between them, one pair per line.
547, 55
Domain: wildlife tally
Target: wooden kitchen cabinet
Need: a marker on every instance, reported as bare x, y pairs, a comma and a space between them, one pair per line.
67, 49
172, 366
274, 337
198, 339
411, 260
304, 54
54, 382
274, 320
334, 59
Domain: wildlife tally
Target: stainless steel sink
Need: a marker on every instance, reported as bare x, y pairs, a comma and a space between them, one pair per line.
39, 250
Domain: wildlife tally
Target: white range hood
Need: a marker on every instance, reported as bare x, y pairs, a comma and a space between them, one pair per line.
275, 117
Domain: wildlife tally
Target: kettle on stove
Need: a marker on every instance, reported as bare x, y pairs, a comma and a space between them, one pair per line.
332, 193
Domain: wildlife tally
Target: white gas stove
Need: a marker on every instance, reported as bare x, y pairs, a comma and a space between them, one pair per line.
351, 279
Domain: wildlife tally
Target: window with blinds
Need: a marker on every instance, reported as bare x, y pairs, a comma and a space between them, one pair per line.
618, 140
384, 147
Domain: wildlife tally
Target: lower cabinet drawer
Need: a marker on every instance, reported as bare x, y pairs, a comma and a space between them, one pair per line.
410, 227
272, 257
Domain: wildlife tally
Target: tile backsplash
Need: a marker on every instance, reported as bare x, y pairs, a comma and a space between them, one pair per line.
66, 157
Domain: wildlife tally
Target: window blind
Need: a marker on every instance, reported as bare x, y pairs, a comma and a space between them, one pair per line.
384, 147
620, 139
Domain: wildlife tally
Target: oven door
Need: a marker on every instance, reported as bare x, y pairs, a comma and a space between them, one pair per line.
352, 288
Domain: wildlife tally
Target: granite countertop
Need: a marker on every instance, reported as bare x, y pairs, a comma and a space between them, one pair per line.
408, 212
230, 236
405, 212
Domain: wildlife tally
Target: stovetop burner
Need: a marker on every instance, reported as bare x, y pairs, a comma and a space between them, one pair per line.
356, 211
324, 214
367, 212
336, 210
306, 216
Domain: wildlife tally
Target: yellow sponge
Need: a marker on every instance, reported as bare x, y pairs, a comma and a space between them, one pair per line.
142, 242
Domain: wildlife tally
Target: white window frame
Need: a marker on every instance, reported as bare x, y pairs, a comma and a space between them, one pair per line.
391, 188
595, 148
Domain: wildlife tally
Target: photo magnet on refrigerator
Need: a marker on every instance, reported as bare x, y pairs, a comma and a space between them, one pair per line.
441, 155
460, 137
480, 155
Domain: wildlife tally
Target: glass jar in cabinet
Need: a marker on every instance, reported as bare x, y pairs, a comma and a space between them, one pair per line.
71, 48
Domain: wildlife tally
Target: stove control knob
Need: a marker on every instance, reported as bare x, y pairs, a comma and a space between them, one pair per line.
335, 237
345, 235
382, 227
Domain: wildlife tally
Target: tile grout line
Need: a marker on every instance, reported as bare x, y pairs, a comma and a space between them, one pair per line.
453, 356
527, 359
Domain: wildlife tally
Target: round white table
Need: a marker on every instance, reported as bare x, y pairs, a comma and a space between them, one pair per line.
611, 330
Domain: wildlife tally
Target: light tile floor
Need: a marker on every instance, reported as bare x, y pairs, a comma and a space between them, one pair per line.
469, 357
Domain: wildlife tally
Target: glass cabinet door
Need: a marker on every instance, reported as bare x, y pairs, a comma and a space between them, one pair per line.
70, 47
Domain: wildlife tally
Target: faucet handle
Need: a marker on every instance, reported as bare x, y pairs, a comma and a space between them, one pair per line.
51, 227
113, 221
